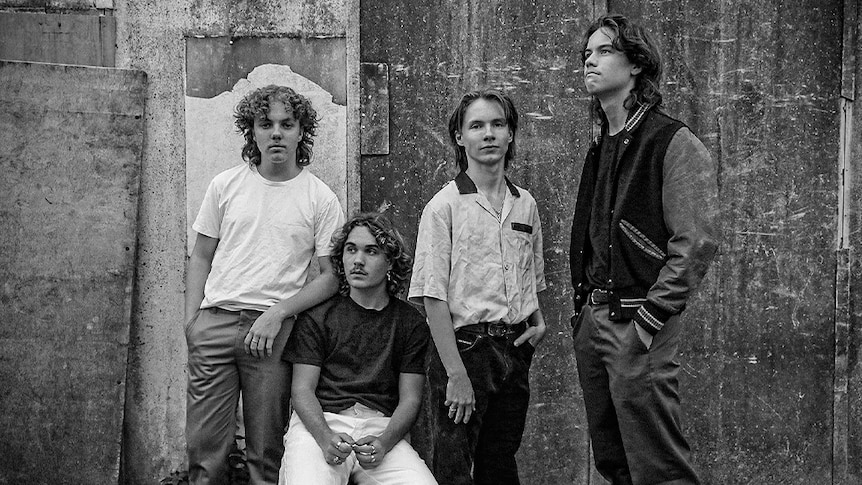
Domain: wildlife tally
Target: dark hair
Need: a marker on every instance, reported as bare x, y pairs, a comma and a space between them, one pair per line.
456, 121
255, 105
390, 242
641, 50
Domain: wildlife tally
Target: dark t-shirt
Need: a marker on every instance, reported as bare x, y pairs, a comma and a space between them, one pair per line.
600, 218
360, 352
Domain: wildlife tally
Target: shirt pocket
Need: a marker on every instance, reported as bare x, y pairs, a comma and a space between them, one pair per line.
524, 244
640, 240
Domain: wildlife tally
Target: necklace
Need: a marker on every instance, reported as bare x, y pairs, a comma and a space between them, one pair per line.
501, 197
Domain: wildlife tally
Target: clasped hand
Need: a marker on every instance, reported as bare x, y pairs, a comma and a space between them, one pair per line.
368, 449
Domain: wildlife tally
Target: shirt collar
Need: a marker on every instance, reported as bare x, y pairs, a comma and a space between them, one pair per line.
467, 186
635, 118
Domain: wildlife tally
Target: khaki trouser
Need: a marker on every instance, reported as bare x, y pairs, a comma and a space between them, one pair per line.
218, 369
632, 400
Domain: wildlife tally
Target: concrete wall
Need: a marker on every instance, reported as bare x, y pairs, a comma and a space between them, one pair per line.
770, 363
765, 98
151, 36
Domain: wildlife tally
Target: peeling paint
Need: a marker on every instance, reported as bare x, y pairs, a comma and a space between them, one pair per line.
213, 144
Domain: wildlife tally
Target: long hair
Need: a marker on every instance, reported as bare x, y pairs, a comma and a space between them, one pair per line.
641, 50
391, 243
456, 121
255, 105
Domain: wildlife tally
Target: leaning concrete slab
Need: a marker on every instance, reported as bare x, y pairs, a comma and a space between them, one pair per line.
70, 153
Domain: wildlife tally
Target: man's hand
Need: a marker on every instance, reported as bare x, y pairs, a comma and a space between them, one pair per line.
261, 336
645, 336
336, 448
370, 451
460, 398
533, 334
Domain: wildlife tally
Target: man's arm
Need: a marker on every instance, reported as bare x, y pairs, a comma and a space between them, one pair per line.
535, 331
307, 407
459, 389
200, 264
267, 326
370, 450
690, 200
537, 328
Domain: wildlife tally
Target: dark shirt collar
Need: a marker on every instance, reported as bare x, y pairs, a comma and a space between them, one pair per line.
467, 186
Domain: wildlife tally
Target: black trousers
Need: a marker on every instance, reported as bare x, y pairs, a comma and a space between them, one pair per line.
499, 372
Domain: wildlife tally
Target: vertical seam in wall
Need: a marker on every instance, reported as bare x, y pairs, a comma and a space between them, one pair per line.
844, 257
354, 180
844, 171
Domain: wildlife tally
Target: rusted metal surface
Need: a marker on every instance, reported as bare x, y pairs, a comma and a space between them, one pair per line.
215, 64
88, 40
435, 52
374, 101
70, 147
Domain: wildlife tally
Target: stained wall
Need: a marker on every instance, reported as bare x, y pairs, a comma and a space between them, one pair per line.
771, 368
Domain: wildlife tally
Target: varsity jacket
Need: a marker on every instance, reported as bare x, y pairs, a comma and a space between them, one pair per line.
663, 227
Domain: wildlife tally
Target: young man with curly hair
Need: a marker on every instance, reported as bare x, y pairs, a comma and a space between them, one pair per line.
259, 227
479, 268
643, 236
358, 369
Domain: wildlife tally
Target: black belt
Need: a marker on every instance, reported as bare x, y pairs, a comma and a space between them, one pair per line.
599, 297
495, 329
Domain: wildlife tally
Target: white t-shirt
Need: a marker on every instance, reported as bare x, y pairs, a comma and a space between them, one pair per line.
268, 233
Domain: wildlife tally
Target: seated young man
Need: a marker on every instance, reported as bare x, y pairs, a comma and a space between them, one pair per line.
358, 369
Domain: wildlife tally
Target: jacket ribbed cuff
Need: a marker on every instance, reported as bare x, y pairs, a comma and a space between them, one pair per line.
651, 318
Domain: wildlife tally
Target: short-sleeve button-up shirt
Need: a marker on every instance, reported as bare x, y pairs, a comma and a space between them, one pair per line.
487, 268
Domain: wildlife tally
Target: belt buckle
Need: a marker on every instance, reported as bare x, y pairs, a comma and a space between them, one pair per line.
497, 329
602, 296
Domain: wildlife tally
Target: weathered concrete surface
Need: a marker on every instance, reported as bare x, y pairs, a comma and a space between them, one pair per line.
267, 18
213, 144
88, 40
70, 151
759, 84
215, 64
848, 456
57, 5
435, 52
374, 100
151, 35
759, 354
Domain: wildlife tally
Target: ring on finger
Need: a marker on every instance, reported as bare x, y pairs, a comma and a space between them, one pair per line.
373, 458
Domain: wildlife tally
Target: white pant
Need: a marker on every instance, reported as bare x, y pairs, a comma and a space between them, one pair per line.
304, 464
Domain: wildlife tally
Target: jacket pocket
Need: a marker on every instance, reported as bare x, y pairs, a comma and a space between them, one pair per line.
641, 241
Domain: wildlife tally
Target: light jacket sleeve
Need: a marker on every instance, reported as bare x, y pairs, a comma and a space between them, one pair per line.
690, 204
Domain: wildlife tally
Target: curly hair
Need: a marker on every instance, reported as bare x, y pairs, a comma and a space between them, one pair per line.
456, 121
641, 50
255, 105
391, 243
